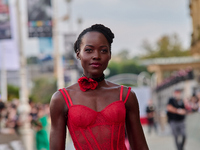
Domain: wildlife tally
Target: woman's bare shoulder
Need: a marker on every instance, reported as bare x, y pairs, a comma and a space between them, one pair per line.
56, 98
132, 102
72, 87
112, 85
118, 86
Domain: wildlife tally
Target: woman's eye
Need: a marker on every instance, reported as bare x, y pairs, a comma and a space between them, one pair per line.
104, 50
88, 50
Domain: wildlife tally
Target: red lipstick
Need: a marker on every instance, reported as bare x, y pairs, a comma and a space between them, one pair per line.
96, 65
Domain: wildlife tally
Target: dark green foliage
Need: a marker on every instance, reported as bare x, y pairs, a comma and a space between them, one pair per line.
114, 68
166, 46
130, 66
32, 60
43, 90
122, 64
13, 92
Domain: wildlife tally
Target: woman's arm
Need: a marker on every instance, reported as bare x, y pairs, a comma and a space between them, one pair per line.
58, 122
133, 126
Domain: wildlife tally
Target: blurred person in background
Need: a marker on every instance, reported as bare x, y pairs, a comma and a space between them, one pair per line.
198, 96
12, 118
192, 105
151, 114
94, 109
41, 127
176, 113
2, 106
34, 112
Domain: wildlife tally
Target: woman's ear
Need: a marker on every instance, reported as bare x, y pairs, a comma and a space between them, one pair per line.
78, 55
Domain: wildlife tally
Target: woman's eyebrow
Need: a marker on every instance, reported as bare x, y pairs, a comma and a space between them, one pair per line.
104, 46
94, 46
89, 45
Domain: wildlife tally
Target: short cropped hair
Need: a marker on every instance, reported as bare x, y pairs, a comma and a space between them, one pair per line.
98, 28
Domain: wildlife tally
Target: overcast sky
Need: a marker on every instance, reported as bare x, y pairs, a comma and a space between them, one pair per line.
133, 21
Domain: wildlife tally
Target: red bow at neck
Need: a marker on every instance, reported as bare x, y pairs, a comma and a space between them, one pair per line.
87, 83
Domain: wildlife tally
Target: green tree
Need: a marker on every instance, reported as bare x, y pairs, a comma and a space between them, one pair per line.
124, 54
43, 90
166, 46
123, 63
32, 60
113, 67
13, 92
131, 66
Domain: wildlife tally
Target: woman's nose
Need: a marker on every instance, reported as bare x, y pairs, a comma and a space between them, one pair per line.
96, 55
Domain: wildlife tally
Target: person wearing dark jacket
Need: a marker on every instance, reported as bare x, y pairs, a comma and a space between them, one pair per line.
176, 116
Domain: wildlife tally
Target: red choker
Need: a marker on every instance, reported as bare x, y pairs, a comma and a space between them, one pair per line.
87, 83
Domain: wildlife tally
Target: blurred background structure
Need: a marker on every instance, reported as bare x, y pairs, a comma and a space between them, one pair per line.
156, 50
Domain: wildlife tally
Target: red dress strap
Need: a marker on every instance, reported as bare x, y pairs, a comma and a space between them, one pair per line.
129, 90
64, 93
121, 92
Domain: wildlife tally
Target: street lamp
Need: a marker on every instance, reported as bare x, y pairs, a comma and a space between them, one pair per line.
24, 107
4, 92
69, 14
58, 67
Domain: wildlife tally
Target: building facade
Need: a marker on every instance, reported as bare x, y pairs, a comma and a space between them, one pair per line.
167, 71
195, 16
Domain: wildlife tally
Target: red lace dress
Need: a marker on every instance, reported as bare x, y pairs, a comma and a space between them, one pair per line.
91, 130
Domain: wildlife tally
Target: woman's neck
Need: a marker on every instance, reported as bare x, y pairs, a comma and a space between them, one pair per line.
93, 76
96, 78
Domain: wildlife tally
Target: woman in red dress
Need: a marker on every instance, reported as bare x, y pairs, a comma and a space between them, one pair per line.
97, 112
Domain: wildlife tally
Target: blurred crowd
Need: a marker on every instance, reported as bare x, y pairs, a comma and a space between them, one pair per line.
176, 77
38, 118
192, 104
10, 123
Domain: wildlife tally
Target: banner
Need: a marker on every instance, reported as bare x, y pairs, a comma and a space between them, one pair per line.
46, 45
9, 54
5, 31
39, 18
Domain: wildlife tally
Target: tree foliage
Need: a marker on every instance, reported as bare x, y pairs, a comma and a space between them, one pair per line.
32, 60
124, 54
43, 90
166, 46
13, 92
122, 64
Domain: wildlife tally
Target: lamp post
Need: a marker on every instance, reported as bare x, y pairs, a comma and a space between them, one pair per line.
4, 91
24, 107
69, 14
58, 66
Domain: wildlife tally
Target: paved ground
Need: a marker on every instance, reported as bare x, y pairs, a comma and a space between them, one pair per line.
164, 140
161, 141
10, 142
